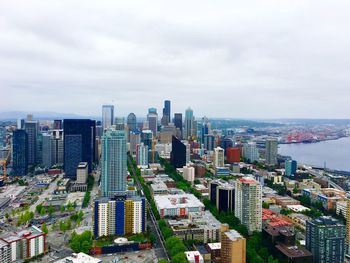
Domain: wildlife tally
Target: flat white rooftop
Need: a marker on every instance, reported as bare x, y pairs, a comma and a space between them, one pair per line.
177, 201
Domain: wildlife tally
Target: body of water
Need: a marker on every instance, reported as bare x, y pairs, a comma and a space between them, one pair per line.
336, 153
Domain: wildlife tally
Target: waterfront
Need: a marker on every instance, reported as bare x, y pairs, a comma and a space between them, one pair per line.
336, 153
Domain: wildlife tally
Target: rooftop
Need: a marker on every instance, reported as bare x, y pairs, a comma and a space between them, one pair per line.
233, 235
177, 201
293, 251
79, 258
214, 246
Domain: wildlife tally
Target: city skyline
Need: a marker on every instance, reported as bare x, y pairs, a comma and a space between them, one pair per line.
291, 55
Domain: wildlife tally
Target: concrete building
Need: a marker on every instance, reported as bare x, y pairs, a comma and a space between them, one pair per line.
113, 163
233, 155
167, 132
142, 155
177, 205
82, 173
194, 257
5, 252
188, 173
219, 157
119, 216
248, 202
328, 196
222, 195
325, 239
135, 139
233, 247
152, 118
271, 149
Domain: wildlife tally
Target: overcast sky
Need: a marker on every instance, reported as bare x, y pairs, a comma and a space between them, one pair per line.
239, 59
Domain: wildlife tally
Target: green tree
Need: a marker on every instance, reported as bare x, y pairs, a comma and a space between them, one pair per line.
50, 210
82, 242
44, 228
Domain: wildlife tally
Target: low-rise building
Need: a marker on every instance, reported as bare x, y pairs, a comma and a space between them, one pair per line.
284, 201
177, 205
159, 188
79, 258
194, 257
328, 196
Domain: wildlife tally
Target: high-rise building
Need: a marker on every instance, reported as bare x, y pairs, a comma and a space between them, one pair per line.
219, 157
20, 152
135, 139
222, 195
47, 153
113, 163
152, 118
20, 124
347, 217
57, 125
250, 152
233, 247
79, 144
142, 154
233, 155
119, 216
189, 124
188, 173
205, 128
166, 113
107, 116
178, 123
290, 167
32, 128
82, 173
147, 137
131, 121
248, 202
178, 153
271, 149
167, 132
325, 239
57, 147
209, 142
39, 148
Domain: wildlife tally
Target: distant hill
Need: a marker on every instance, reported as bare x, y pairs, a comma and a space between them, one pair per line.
42, 115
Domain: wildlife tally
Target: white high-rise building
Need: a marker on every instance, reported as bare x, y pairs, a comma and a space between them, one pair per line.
250, 152
271, 150
219, 157
188, 173
107, 116
248, 203
142, 154
113, 163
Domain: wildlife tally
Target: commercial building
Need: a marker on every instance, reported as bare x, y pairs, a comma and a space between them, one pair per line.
113, 163
178, 153
219, 157
284, 201
250, 152
166, 113
25, 244
82, 173
328, 196
248, 194
20, 152
119, 216
325, 239
32, 129
271, 149
233, 247
189, 131
135, 139
209, 142
178, 123
290, 167
107, 116
167, 132
131, 122
57, 147
142, 154
177, 205
152, 118
79, 144
233, 155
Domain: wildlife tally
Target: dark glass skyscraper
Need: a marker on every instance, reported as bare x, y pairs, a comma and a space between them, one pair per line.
131, 121
20, 152
79, 144
31, 128
178, 121
166, 113
178, 153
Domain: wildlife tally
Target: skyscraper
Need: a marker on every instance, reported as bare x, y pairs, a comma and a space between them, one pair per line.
166, 113
142, 154
178, 153
178, 122
250, 152
131, 121
57, 147
290, 167
209, 142
47, 150
135, 139
31, 128
20, 152
57, 125
205, 128
271, 148
152, 118
325, 239
113, 163
189, 124
107, 116
79, 144
248, 202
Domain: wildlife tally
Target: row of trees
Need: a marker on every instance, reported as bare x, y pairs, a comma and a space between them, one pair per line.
82, 242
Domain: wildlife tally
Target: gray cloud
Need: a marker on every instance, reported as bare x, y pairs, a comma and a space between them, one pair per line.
246, 59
